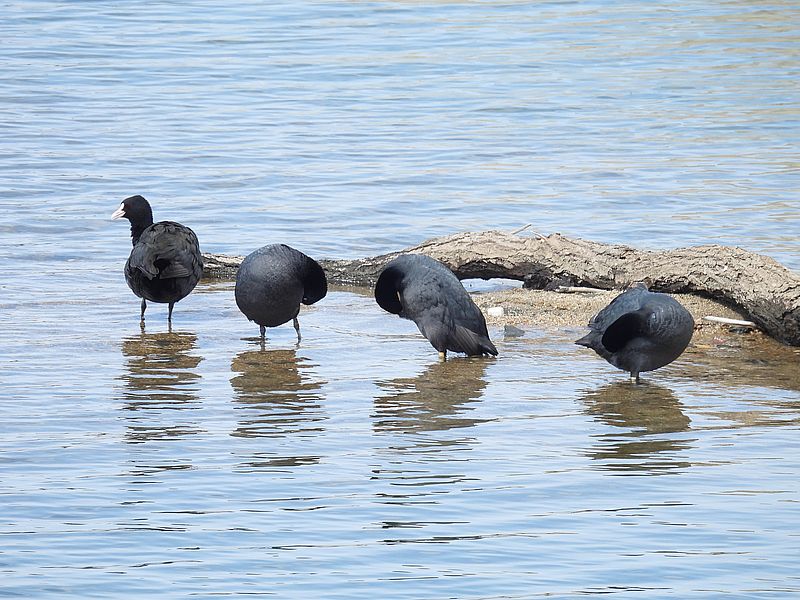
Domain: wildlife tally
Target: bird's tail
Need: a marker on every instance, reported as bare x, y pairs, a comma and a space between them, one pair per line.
594, 340
472, 343
588, 340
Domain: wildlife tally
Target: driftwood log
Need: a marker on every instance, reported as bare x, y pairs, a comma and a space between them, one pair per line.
766, 291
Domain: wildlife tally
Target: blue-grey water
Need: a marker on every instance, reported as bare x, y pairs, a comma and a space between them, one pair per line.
191, 463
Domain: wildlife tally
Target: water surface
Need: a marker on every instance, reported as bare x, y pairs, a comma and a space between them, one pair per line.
192, 462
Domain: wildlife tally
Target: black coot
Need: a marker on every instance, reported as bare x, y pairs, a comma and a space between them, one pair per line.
273, 281
640, 331
165, 263
422, 289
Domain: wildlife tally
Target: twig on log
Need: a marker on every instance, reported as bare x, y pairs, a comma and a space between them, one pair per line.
528, 226
766, 291
573, 289
521, 229
727, 321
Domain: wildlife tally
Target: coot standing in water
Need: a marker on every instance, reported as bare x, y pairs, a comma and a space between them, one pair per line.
640, 331
273, 281
422, 289
165, 263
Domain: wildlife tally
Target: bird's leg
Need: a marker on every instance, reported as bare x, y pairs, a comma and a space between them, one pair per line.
296, 324
443, 355
263, 333
144, 307
634, 377
169, 315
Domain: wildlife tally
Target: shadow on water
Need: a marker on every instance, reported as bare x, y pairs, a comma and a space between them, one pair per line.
160, 379
645, 414
434, 400
276, 396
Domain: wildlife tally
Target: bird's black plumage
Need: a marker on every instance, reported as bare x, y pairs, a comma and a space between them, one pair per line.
640, 331
422, 289
273, 281
165, 263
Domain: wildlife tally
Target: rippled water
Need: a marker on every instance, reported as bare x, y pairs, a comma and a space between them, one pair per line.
192, 463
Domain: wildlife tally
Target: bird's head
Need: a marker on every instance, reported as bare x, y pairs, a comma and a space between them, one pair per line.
137, 210
387, 289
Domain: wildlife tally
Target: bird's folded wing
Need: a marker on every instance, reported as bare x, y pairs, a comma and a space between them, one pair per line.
165, 253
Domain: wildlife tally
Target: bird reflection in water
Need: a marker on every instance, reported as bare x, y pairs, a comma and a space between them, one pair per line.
430, 456
434, 400
276, 397
160, 379
647, 412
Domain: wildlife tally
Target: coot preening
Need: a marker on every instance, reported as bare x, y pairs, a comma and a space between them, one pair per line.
640, 331
165, 263
273, 281
422, 289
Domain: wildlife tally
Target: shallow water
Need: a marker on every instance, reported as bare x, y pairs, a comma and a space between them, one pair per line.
193, 463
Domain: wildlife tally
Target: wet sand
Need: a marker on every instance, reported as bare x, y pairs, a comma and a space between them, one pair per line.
565, 310
730, 354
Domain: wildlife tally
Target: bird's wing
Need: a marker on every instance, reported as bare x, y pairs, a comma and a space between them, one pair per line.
423, 303
448, 318
469, 334
166, 250
628, 301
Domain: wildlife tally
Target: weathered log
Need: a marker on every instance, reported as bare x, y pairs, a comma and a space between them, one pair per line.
766, 291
